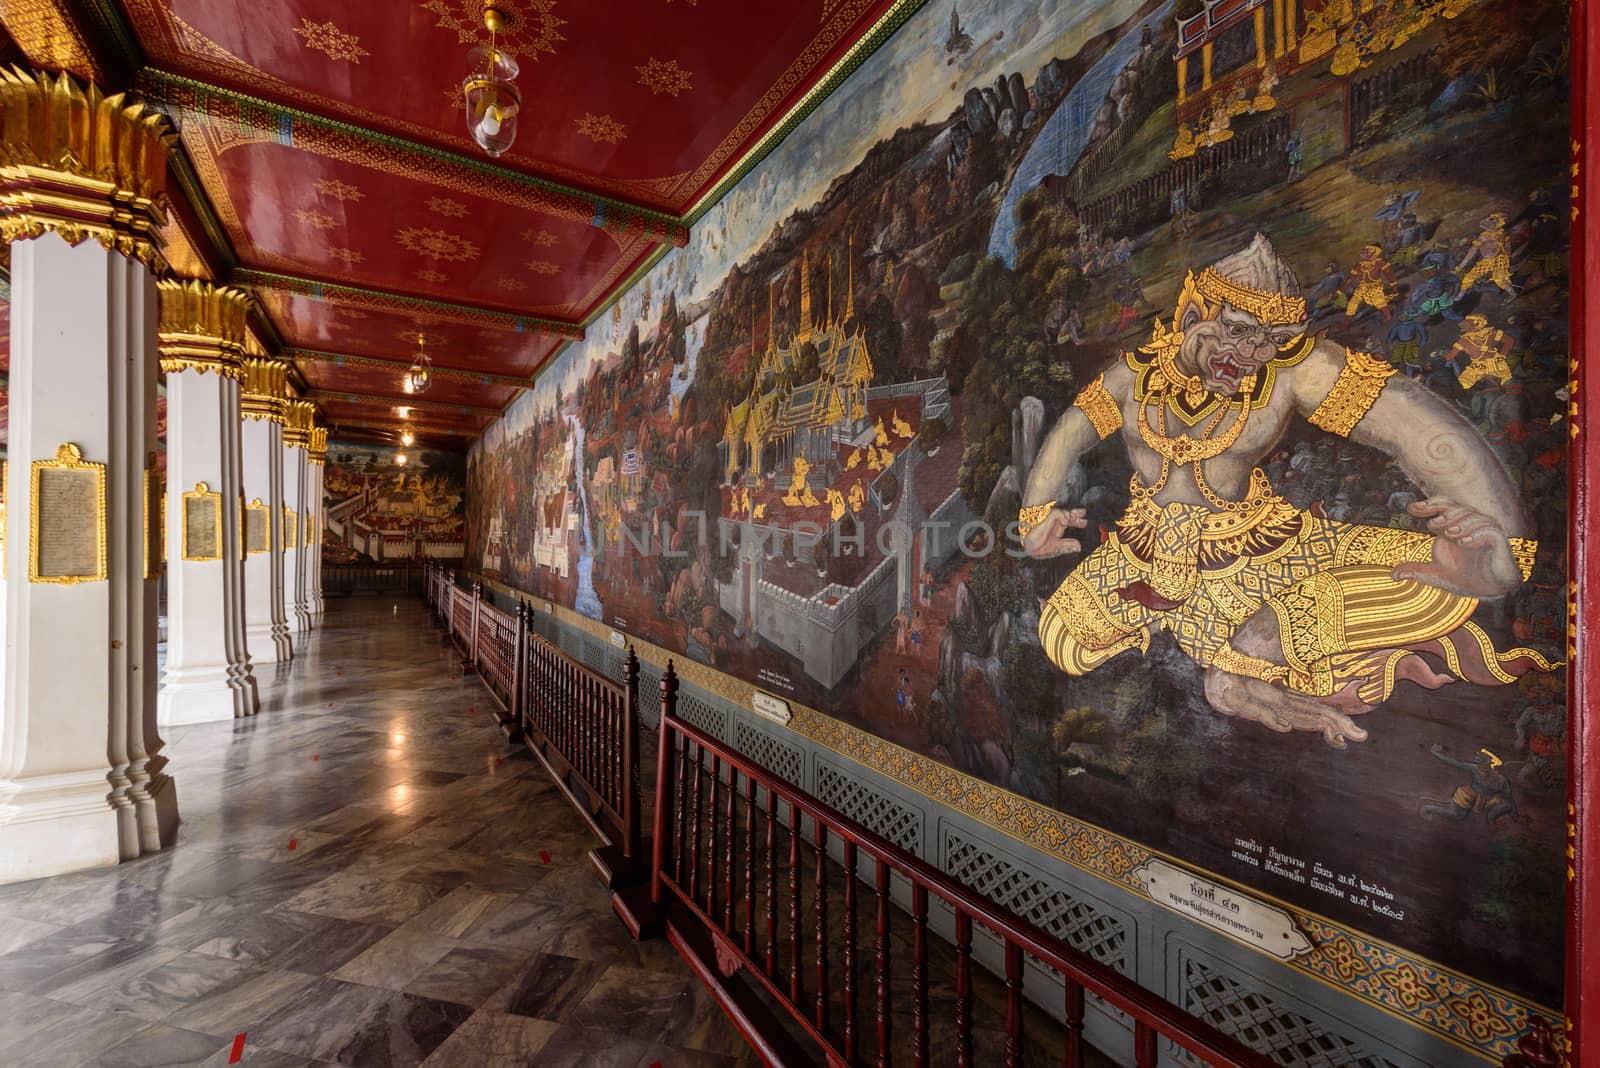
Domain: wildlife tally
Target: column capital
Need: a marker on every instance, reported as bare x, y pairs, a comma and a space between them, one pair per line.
202, 327
81, 164
265, 390
301, 422
317, 450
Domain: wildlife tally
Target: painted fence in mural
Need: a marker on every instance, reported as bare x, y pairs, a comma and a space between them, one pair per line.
1155, 411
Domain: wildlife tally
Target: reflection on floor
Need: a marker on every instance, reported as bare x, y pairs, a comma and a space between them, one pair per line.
358, 880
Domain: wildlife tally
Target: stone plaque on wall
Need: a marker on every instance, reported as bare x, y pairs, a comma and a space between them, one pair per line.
202, 524
291, 529
68, 529
257, 527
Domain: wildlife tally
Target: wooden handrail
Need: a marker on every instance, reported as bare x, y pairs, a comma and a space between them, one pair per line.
674, 890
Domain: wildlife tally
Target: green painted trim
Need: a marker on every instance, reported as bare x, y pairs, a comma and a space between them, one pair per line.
156, 84
287, 283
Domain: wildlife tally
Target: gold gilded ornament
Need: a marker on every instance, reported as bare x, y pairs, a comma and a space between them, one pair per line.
264, 390
1031, 517
1269, 307
1353, 395
1101, 408
80, 164
202, 327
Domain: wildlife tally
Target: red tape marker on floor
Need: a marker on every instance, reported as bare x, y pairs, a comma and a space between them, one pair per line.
315, 757
292, 841
238, 1048
544, 856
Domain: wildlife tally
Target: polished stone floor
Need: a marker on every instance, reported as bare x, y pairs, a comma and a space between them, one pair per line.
359, 879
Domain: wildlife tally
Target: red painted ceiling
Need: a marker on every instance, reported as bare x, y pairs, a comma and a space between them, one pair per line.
329, 141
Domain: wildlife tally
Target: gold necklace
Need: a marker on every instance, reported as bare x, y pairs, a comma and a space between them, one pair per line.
1183, 450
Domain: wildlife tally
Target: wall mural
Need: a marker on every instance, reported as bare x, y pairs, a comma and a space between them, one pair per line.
1153, 409
370, 492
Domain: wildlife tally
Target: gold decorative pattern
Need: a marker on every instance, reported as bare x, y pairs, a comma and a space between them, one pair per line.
68, 458
81, 164
291, 528
350, 257
428, 274
539, 238
450, 209
264, 392
1096, 402
544, 267
1355, 392
202, 327
317, 220
317, 447
1270, 307
48, 34
300, 421
602, 129
664, 77
511, 285
529, 27
253, 509
1031, 517
333, 42
333, 187
203, 496
436, 244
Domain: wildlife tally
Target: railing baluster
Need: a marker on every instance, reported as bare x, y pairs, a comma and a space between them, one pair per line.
963, 990
882, 886
849, 951
749, 866
1144, 1045
919, 975
772, 883
731, 826
711, 841
820, 848
664, 788
796, 821
1013, 1005
1074, 1056
694, 832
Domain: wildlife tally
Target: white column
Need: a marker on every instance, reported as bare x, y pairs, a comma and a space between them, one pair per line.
317, 456
265, 400
56, 813
208, 675
297, 437
76, 786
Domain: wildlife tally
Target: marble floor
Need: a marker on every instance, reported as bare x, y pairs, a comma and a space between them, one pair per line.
359, 879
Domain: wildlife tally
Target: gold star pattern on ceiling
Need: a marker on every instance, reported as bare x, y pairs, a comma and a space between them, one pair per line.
601, 129
450, 209
539, 238
347, 256
429, 275
511, 285
531, 26
327, 38
544, 267
667, 77
319, 220
332, 187
436, 244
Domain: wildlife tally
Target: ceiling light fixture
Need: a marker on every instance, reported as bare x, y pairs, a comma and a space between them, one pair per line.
400, 458
406, 437
420, 374
490, 91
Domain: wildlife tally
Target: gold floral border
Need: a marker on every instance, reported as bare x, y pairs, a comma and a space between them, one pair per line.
1479, 1018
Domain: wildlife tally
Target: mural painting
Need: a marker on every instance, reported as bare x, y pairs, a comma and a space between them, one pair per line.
406, 497
1153, 409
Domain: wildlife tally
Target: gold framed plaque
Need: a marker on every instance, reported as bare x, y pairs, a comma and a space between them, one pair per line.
257, 527
154, 522
67, 520
291, 528
311, 529
202, 524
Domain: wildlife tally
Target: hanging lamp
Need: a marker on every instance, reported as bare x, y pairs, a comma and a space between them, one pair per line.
420, 374
490, 91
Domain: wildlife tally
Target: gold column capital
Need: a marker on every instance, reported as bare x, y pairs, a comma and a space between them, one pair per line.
265, 390
301, 422
202, 327
317, 451
80, 164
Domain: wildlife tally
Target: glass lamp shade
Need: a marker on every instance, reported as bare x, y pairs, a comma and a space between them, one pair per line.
492, 99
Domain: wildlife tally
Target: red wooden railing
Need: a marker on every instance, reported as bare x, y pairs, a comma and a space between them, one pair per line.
728, 877
585, 728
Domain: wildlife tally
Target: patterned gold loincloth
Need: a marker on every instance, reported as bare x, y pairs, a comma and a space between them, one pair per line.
1200, 574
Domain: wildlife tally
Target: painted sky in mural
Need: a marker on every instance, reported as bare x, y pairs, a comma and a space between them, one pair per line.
1239, 622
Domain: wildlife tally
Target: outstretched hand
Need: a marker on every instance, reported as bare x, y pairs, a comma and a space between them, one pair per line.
1471, 553
1050, 537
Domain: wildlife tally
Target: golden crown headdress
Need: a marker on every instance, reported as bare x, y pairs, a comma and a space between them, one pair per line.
1494, 761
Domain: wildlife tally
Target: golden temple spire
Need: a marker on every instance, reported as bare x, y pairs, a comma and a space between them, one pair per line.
850, 284
805, 293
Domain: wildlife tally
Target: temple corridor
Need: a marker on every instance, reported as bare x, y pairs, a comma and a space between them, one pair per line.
366, 874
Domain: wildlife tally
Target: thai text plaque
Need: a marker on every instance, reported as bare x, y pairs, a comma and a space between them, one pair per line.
68, 529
